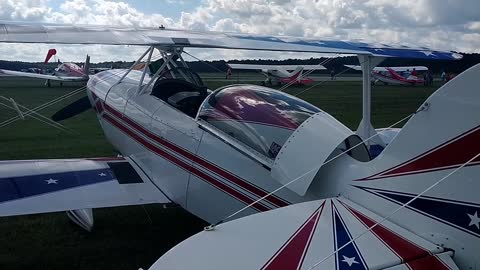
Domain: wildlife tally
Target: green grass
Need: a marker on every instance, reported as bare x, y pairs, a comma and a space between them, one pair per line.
132, 237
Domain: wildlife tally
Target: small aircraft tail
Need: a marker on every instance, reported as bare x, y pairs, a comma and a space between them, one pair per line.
394, 74
86, 67
432, 169
296, 73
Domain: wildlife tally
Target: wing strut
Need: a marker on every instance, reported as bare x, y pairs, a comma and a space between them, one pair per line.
365, 129
134, 64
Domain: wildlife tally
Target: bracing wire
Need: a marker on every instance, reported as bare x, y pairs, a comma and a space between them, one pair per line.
55, 100
41, 107
321, 82
303, 75
64, 128
396, 211
40, 119
208, 64
212, 226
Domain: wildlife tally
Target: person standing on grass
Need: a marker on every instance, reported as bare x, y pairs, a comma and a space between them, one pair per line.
430, 77
443, 76
229, 73
332, 74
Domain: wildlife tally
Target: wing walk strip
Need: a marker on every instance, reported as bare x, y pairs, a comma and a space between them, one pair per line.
413, 255
233, 180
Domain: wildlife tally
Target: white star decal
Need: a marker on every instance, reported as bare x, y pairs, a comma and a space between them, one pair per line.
428, 53
102, 174
474, 220
349, 261
51, 181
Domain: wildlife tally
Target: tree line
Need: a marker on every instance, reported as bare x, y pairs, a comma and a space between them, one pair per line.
437, 66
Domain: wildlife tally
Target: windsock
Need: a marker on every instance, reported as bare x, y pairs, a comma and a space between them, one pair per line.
50, 53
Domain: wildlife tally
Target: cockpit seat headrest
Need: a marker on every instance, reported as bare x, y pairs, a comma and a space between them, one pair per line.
165, 88
183, 95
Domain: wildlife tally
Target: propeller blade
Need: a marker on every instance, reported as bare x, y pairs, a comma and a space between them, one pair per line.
77, 107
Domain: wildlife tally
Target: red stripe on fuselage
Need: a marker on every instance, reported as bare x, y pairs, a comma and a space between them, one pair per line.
196, 159
214, 182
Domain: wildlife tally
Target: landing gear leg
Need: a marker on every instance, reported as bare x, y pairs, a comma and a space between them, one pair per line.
47, 83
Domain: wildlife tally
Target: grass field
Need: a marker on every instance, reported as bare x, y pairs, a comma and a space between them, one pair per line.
133, 237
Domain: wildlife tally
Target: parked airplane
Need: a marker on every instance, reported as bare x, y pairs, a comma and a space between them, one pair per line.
396, 75
256, 149
279, 74
65, 72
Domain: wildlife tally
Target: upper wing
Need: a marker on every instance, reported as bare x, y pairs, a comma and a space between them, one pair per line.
43, 76
301, 235
405, 68
275, 67
92, 34
354, 67
39, 186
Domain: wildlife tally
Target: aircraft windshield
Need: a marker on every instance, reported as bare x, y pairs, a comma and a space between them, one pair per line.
259, 117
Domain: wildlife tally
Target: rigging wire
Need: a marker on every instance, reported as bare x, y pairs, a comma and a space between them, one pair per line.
58, 99
396, 211
40, 119
41, 107
213, 225
55, 124
321, 82
208, 64
308, 72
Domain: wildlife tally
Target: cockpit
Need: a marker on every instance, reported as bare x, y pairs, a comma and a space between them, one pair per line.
259, 117
182, 88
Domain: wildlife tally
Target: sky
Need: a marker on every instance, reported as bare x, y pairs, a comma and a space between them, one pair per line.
438, 24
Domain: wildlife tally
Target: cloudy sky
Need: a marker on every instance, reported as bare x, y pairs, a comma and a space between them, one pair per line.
440, 24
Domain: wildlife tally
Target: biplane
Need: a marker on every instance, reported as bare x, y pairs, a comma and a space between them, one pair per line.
284, 184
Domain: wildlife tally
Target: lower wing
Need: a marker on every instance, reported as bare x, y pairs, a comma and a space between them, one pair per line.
44, 76
324, 234
40, 186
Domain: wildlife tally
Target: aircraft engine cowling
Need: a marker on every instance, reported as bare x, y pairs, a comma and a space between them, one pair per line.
307, 148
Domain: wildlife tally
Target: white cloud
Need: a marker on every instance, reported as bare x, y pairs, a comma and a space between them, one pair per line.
449, 25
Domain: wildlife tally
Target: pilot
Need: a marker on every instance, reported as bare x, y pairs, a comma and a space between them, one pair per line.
414, 72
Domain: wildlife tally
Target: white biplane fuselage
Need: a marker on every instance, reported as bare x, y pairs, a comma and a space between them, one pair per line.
199, 161
197, 165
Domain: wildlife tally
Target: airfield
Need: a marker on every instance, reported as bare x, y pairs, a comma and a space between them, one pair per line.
134, 237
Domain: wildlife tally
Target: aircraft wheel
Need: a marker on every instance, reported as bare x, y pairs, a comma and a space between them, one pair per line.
262, 83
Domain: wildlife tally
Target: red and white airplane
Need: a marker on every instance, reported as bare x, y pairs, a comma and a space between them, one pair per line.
396, 75
281, 74
308, 191
65, 72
